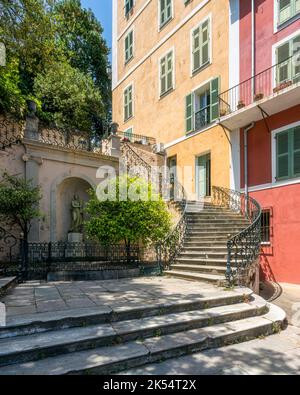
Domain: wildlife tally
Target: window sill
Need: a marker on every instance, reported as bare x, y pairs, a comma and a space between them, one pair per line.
201, 68
161, 27
163, 95
288, 22
128, 61
265, 244
128, 119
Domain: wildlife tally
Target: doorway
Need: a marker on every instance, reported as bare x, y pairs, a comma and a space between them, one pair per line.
172, 165
203, 176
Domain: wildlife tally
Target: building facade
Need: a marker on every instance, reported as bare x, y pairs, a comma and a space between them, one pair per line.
262, 111
170, 64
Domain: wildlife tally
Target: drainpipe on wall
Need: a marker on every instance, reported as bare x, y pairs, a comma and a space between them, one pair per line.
246, 130
253, 45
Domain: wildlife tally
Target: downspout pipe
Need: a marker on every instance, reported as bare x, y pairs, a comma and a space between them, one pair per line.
253, 45
246, 130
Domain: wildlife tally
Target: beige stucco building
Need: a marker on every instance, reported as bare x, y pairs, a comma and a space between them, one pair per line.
170, 62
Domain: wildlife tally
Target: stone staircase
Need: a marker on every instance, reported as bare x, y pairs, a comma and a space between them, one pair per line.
105, 341
204, 252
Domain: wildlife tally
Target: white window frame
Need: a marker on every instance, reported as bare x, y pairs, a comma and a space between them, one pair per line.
128, 86
274, 155
278, 26
161, 95
274, 49
133, 47
133, 4
207, 18
160, 26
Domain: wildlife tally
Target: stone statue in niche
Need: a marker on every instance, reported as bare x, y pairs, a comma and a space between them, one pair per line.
77, 215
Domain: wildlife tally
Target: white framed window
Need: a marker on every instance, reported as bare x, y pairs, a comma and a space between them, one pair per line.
128, 46
286, 9
128, 6
166, 73
202, 106
287, 56
165, 12
286, 153
128, 103
201, 45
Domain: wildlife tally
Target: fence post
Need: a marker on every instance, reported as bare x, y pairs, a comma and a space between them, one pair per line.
24, 259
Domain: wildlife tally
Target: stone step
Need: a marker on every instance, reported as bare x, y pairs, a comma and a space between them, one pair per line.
205, 248
202, 261
6, 283
205, 244
216, 228
216, 215
200, 268
213, 233
117, 358
217, 279
39, 346
220, 220
203, 255
46, 322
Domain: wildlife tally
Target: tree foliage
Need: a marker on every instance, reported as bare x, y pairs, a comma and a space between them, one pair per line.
142, 219
18, 202
43, 34
69, 97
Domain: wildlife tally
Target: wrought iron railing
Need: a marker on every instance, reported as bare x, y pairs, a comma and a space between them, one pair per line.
73, 140
262, 85
136, 138
243, 249
170, 247
11, 132
55, 252
202, 118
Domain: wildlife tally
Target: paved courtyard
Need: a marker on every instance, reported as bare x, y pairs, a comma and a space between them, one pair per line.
35, 299
277, 354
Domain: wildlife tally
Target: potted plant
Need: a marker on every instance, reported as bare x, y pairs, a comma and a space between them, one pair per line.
240, 105
281, 86
258, 96
223, 112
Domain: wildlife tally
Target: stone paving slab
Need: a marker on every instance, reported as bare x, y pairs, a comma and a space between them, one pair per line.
35, 297
273, 355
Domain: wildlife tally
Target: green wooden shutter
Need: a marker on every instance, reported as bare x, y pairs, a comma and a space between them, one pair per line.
196, 49
284, 65
205, 37
128, 134
169, 63
297, 6
283, 148
295, 64
284, 10
296, 151
214, 99
189, 112
163, 78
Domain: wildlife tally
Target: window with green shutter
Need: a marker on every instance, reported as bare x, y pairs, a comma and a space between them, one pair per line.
288, 68
189, 112
166, 73
201, 45
288, 154
128, 6
287, 9
129, 46
166, 11
202, 106
128, 103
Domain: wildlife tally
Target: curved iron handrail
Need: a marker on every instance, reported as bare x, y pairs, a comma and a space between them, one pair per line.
170, 247
244, 247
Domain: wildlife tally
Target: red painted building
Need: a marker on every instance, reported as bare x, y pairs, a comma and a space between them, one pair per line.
262, 113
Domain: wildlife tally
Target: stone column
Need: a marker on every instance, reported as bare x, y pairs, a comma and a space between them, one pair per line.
114, 145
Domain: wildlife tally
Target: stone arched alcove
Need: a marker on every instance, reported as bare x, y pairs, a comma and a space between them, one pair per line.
62, 195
